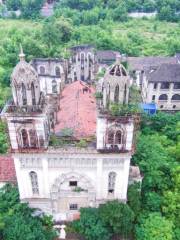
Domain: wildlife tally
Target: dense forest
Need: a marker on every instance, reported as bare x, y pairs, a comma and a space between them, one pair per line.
152, 213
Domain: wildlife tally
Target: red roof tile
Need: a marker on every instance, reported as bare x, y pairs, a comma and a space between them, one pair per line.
78, 110
7, 169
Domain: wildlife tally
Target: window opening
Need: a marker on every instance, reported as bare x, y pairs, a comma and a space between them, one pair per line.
25, 138
73, 183
24, 97
111, 182
58, 73
33, 94
54, 86
116, 94
73, 206
163, 97
42, 70
176, 97
34, 182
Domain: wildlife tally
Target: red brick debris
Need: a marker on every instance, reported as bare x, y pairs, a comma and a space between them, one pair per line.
78, 110
7, 169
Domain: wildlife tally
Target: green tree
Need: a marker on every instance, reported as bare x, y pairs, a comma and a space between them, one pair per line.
3, 138
90, 225
56, 32
13, 4
134, 197
17, 221
118, 217
30, 8
154, 227
171, 200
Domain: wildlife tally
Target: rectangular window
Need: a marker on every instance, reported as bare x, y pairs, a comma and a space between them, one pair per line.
155, 85
73, 183
176, 85
165, 85
153, 97
73, 206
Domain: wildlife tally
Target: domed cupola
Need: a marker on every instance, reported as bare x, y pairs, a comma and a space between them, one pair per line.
116, 84
25, 84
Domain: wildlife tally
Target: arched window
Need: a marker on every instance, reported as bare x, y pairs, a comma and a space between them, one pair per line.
75, 76
82, 58
33, 138
33, 94
24, 97
116, 94
25, 139
34, 182
110, 139
163, 97
176, 97
125, 93
41, 141
54, 86
111, 182
58, 72
165, 85
42, 70
118, 137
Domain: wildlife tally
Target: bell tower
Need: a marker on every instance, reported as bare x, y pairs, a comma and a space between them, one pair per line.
115, 133
25, 84
116, 84
27, 114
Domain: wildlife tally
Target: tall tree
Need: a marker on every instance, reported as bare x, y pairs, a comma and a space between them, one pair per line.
155, 227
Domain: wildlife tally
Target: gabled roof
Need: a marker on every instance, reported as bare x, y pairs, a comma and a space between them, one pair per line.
77, 110
107, 55
142, 63
7, 169
165, 73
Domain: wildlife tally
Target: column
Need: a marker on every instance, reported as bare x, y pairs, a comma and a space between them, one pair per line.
46, 189
99, 179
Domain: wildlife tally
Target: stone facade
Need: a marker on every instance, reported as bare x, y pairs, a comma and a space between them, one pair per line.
162, 86
60, 180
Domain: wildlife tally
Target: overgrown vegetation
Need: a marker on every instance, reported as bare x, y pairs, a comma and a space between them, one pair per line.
153, 212
17, 220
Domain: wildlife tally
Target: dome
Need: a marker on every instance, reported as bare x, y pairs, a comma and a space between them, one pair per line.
23, 72
117, 69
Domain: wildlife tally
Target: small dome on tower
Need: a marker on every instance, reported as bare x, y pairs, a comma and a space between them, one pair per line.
116, 84
118, 69
23, 72
25, 83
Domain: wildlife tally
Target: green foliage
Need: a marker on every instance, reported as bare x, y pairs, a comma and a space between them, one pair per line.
171, 200
134, 197
56, 31
123, 110
30, 8
157, 157
13, 4
98, 95
118, 217
82, 143
4, 144
134, 95
90, 225
16, 220
155, 227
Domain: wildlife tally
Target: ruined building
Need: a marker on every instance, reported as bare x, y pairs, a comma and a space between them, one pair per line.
69, 151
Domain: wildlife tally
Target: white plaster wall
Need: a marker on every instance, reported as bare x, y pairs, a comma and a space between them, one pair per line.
167, 105
96, 173
102, 125
13, 128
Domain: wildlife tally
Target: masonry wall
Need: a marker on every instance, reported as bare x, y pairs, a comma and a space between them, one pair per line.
54, 172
